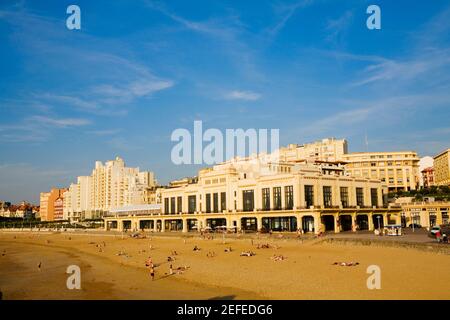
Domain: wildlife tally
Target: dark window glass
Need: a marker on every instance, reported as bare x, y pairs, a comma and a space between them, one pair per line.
360, 197
223, 201
215, 202
249, 200
344, 197
327, 197
266, 198
309, 196
166, 205
208, 202
289, 197
172, 205
179, 204
192, 204
277, 198
374, 196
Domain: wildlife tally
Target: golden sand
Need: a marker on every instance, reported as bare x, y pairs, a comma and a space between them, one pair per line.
306, 273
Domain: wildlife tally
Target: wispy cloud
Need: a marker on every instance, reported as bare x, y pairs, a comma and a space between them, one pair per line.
242, 95
37, 128
285, 12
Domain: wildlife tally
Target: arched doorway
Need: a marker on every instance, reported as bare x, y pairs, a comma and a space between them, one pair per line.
308, 224
378, 222
346, 222
328, 222
362, 222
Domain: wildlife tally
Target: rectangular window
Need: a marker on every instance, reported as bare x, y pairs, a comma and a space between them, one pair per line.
344, 197
327, 197
309, 196
192, 204
266, 198
215, 202
360, 197
277, 198
166, 205
289, 197
208, 203
172, 205
223, 201
374, 196
179, 204
249, 200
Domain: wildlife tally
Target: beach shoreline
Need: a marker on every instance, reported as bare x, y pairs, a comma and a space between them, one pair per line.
305, 272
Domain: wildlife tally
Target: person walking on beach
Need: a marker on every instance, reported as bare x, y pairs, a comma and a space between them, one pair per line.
152, 273
170, 270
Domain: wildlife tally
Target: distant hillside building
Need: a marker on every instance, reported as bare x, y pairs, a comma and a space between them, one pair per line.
428, 177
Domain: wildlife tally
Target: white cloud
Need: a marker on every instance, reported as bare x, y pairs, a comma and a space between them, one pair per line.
242, 95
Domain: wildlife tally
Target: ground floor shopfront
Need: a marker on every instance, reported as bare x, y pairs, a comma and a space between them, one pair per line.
314, 221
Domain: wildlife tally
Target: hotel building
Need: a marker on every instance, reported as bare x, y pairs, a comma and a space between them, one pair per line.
398, 170
111, 185
250, 195
442, 168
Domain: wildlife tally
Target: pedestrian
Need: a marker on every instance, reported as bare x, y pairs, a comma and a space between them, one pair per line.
152, 273
170, 270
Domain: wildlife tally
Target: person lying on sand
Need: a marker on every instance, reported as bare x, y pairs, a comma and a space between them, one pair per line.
247, 254
263, 246
210, 254
4, 253
173, 253
169, 259
196, 248
228, 249
346, 264
278, 257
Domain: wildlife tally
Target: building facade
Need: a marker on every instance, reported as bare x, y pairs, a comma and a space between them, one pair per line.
398, 170
329, 150
111, 185
428, 177
442, 168
425, 214
47, 203
282, 196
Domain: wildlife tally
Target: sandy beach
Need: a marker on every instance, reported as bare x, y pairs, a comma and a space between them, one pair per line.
113, 267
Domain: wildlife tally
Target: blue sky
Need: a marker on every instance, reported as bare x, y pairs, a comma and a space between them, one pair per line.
137, 70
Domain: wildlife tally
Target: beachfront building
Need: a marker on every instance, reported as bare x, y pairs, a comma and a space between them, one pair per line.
426, 214
442, 168
251, 195
398, 170
328, 150
47, 203
111, 185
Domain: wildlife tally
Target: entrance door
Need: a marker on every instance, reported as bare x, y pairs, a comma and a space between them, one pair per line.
328, 221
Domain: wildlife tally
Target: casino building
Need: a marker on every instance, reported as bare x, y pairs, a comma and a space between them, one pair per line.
261, 194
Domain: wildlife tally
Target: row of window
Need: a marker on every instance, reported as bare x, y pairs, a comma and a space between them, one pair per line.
174, 204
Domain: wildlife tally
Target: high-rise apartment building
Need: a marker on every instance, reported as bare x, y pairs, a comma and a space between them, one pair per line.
111, 185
